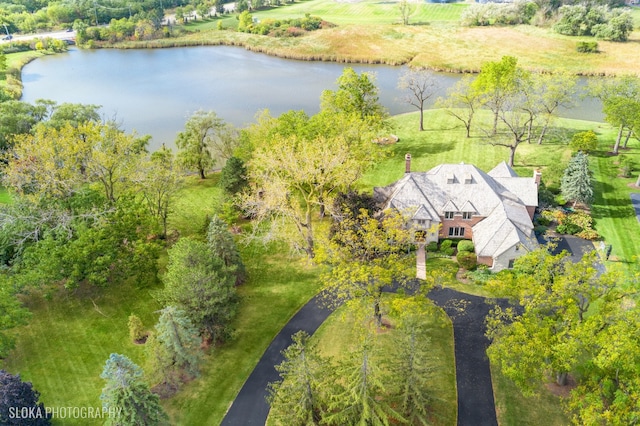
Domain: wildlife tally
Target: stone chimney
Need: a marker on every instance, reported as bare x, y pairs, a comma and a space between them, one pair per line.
407, 163
537, 175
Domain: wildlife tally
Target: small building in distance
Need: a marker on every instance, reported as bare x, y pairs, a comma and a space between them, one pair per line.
459, 201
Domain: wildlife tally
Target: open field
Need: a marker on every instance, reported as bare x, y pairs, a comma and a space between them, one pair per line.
368, 31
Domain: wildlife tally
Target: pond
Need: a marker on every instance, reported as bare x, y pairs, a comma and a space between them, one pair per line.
154, 91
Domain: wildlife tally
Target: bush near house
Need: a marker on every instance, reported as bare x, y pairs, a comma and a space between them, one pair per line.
467, 260
466, 245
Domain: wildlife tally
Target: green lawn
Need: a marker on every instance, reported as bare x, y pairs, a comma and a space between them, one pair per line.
5, 197
512, 408
364, 12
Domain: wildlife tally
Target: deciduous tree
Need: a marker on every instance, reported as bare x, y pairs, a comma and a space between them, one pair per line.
461, 102
195, 143
365, 255
420, 86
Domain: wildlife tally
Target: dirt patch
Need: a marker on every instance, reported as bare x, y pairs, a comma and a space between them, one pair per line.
461, 276
562, 391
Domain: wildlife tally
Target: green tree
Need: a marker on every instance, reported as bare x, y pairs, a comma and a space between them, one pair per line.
496, 84
199, 282
136, 329
222, 245
357, 94
406, 8
299, 396
609, 392
359, 400
419, 86
411, 367
365, 255
126, 393
195, 142
74, 114
553, 91
17, 118
159, 179
233, 177
577, 183
584, 141
554, 332
617, 28
179, 338
13, 315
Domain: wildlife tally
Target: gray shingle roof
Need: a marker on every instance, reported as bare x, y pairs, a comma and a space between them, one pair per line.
501, 196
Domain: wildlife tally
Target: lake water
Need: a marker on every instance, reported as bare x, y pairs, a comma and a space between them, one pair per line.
154, 91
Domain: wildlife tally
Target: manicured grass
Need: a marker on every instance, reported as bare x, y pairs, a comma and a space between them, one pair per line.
9, 80
68, 339
5, 197
278, 286
512, 408
336, 337
194, 204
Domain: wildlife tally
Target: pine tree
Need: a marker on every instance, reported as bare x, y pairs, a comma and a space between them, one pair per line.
136, 329
222, 245
411, 364
576, 183
128, 396
18, 395
233, 176
198, 282
360, 400
177, 334
297, 398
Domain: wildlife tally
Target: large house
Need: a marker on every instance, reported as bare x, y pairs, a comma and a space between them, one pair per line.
493, 209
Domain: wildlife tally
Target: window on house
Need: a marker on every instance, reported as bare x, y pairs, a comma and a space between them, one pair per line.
517, 247
466, 215
456, 231
511, 263
421, 222
449, 215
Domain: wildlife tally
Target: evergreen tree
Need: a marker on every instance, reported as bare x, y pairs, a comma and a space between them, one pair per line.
128, 396
222, 245
233, 177
136, 329
360, 400
199, 282
179, 337
576, 183
410, 366
18, 395
297, 398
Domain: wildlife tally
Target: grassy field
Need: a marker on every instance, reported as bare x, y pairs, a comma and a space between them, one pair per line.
64, 347
368, 31
9, 80
336, 336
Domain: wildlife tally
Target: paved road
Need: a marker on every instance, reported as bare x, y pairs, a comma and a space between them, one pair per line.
475, 391
635, 201
60, 35
250, 406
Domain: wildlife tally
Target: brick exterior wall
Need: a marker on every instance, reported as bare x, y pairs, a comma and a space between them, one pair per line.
485, 260
458, 221
531, 210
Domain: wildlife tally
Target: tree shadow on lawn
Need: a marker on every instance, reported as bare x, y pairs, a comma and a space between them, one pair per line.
613, 207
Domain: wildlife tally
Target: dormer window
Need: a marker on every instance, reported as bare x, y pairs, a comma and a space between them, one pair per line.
449, 215
451, 179
467, 215
468, 179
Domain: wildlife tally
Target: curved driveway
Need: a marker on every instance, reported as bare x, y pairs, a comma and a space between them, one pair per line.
475, 391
